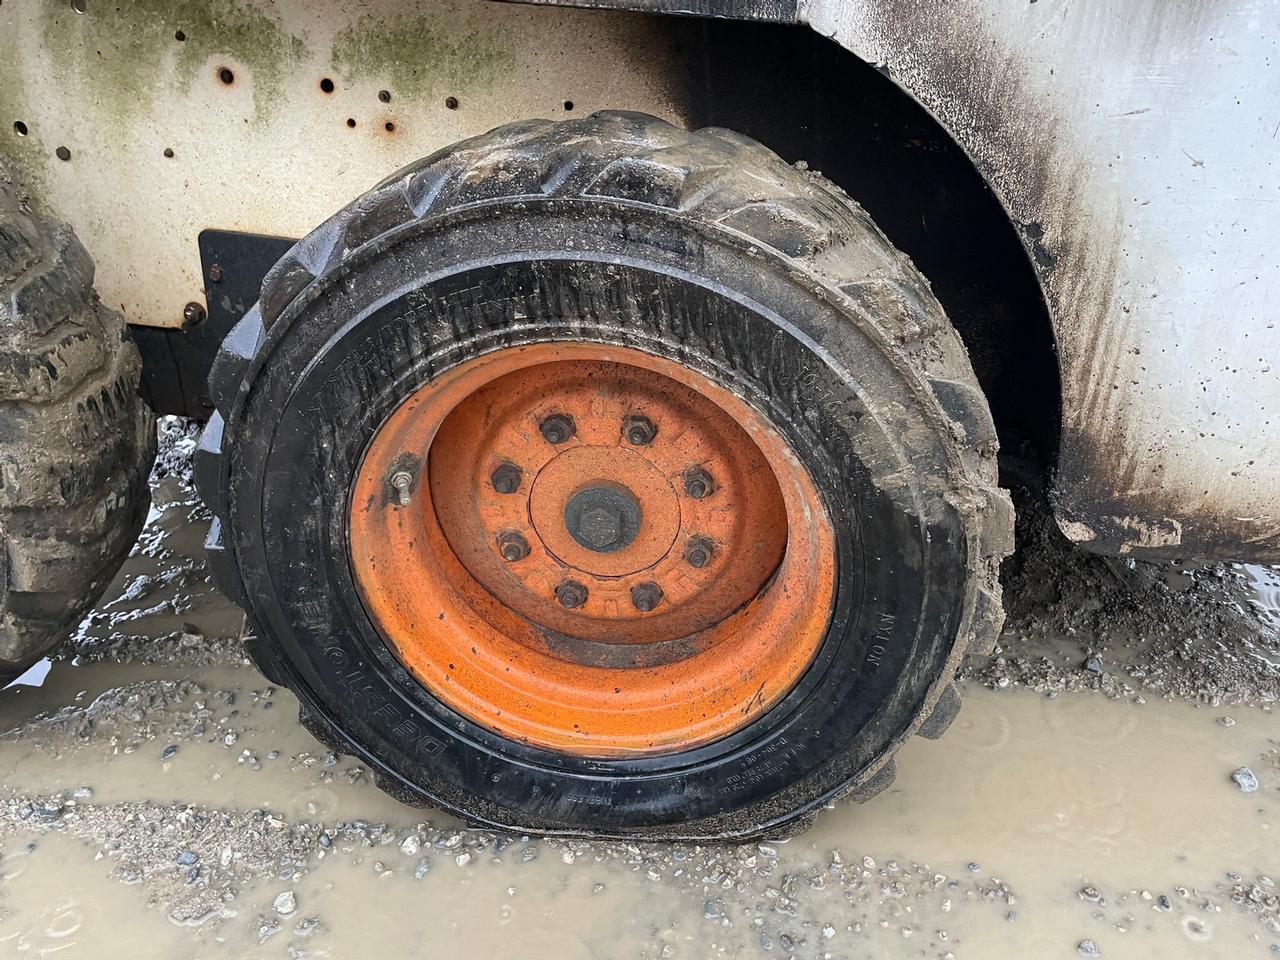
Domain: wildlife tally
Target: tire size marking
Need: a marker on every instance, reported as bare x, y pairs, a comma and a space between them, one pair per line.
765, 764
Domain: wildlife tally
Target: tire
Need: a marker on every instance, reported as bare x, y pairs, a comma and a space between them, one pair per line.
76, 439
622, 233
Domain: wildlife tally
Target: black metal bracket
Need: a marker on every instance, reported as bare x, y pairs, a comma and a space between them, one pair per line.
176, 361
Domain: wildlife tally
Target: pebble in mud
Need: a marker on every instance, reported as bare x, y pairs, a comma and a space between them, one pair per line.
286, 903
1245, 780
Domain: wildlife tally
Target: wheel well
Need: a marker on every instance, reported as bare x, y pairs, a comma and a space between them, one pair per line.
809, 99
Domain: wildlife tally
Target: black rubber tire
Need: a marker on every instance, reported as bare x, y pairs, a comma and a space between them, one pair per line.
616, 228
76, 439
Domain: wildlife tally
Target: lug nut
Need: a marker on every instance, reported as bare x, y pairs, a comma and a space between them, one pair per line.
645, 596
571, 594
512, 546
506, 478
402, 481
557, 428
697, 552
698, 483
638, 430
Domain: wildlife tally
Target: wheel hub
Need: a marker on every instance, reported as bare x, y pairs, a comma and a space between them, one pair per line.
595, 553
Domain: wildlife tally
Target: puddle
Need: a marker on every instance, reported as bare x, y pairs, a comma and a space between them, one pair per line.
1264, 583
159, 800
1034, 824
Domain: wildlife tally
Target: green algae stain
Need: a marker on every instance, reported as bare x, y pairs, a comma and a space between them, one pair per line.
128, 53
418, 60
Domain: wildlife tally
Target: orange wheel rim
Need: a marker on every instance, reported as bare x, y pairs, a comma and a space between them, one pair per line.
592, 549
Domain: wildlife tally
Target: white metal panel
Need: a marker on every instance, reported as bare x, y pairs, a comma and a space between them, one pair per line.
1135, 143
271, 152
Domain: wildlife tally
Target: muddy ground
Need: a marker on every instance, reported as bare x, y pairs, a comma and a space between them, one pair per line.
158, 799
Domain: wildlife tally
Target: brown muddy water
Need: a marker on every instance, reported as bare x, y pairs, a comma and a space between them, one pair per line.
159, 800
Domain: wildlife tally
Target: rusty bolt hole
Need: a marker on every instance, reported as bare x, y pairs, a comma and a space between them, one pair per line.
326, 85
226, 76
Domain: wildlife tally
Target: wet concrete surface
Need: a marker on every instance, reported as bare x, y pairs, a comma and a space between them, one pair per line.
158, 799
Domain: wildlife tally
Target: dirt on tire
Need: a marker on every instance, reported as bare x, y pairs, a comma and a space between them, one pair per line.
76, 438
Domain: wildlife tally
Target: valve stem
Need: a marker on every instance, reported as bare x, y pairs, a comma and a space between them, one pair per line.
403, 483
